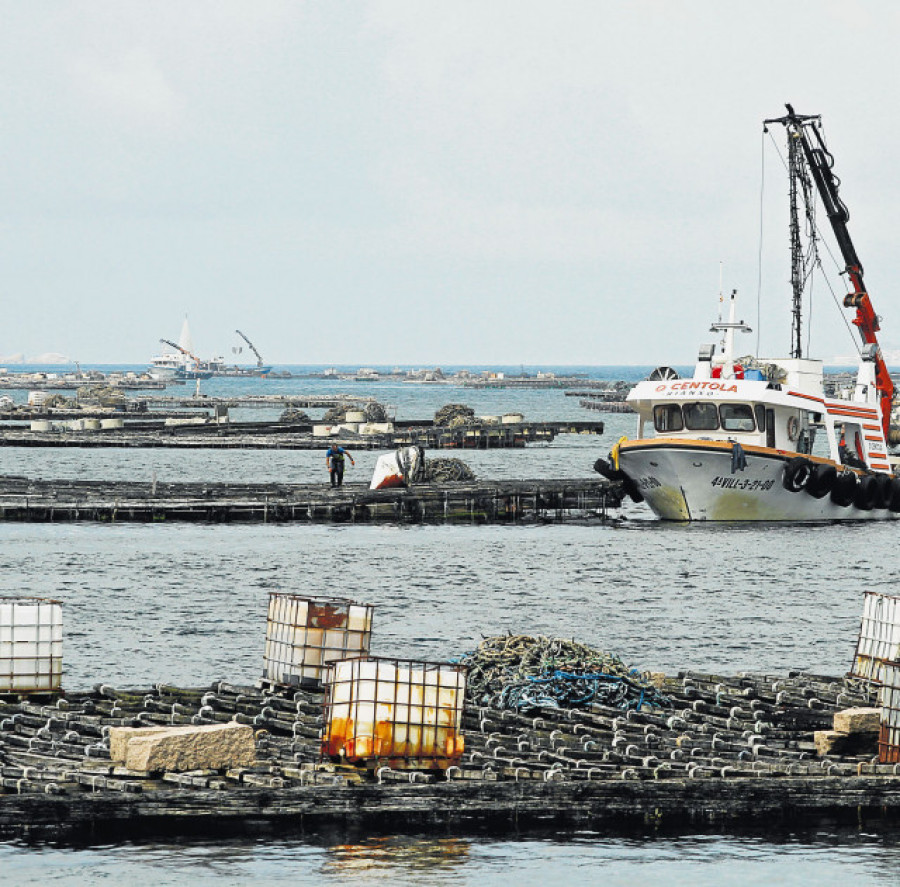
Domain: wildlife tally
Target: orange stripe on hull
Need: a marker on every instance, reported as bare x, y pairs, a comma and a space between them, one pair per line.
806, 396
843, 411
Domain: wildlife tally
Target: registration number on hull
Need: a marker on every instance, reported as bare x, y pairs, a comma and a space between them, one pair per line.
745, 483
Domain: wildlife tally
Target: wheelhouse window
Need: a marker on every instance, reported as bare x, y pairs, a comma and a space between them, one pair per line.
667, 417
736, 417
760, 417
701, 416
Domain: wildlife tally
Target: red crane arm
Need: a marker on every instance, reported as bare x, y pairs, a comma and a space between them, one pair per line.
820, 162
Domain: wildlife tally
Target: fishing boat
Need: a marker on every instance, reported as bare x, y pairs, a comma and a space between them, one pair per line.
181, 363
760, 439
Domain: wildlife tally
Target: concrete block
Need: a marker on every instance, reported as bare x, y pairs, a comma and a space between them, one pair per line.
206, 747
119, 737
831, 742
858, 720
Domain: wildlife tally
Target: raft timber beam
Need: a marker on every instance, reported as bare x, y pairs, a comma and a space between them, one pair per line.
478, 502
459, 807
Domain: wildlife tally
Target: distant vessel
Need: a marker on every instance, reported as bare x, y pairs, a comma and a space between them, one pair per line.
261, 369
166, 367
181, 363
737, 440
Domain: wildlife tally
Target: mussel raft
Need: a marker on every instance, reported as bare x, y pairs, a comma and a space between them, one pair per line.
721, 750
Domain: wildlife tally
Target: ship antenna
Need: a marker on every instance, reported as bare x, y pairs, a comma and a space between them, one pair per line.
802, 261
721, 302
762, 191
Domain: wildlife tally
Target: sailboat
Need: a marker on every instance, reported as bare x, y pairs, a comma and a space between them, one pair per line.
760, 439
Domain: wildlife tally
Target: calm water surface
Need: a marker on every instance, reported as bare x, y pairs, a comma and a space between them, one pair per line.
832, 859
186, 604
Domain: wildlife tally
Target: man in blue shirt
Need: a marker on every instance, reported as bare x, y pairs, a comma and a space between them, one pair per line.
334, 460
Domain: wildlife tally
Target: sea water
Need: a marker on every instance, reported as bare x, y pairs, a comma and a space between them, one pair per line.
186, 603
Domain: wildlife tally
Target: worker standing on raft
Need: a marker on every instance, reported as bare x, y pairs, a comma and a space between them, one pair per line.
334, 460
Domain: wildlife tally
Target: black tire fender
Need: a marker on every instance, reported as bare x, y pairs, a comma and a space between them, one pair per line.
883, 488
601, 466
821, 481
631, 488
894, 503
866, 491
797, 473
844, 489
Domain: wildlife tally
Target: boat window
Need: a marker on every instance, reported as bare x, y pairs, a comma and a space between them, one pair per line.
736, 417
701, 416
770, 428
760, 417
667, 417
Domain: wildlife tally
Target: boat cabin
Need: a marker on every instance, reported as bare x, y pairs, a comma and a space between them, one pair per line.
774, 403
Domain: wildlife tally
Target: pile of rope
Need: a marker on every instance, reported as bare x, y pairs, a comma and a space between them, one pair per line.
293, 414
57, 401
105, 395
376, 412
446, 470
524, 673
454, 414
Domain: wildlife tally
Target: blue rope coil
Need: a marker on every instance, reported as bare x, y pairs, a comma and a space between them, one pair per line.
563, 689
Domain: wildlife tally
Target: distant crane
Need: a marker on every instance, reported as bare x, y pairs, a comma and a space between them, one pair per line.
184, 351
259, 360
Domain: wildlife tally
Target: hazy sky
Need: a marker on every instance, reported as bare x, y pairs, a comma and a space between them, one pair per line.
428, 182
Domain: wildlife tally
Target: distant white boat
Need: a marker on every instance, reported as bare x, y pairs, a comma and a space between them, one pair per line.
181, 363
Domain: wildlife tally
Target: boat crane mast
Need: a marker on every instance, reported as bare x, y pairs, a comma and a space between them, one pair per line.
259, 360
820, 161
182, 350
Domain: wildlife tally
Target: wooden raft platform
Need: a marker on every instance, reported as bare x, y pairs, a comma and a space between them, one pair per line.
288, 436
523, 501
726, 750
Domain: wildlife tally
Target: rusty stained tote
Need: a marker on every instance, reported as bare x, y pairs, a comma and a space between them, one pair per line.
396, 711
304, 634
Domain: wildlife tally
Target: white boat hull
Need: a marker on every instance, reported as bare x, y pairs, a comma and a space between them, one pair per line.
161, 374
685, 482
